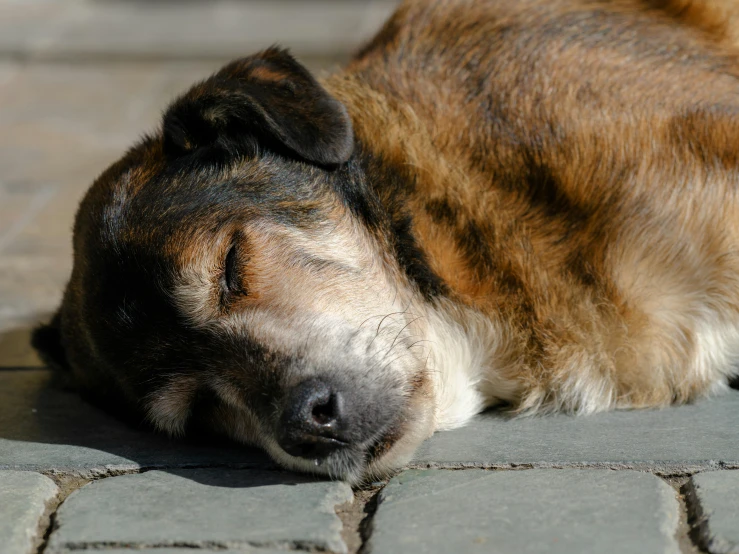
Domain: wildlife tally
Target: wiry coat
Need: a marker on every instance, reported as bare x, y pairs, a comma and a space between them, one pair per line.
570, 169
531, 203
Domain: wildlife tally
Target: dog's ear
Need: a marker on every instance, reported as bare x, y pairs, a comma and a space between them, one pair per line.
268, 100
47, 340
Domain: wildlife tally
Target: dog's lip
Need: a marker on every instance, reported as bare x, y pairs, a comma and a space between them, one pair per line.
382, 444
370, 451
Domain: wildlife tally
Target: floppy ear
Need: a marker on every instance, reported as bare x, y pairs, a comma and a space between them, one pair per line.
47, 340
268, 101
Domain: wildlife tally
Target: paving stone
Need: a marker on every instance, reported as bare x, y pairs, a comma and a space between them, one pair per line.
203, 508
532, 511
241, 550
60, 126
23, 500
15, 346
675, 440
192, 30
716, 495
43, 428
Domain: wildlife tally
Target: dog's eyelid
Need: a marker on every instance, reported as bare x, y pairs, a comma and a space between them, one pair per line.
231, 280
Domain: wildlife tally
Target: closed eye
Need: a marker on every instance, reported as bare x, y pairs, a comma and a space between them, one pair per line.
231, 281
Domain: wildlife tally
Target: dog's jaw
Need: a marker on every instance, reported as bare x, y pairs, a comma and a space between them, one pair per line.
471, 364
359, 465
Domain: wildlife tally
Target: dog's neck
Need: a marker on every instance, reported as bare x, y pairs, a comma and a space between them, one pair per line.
406, 177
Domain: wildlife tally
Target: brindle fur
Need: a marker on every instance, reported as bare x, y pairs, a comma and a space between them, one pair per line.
535, 203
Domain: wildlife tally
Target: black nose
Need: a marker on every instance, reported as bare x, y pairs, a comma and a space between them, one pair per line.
312, 423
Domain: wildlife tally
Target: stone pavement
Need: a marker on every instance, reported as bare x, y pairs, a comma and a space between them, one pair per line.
79, 81
651, 481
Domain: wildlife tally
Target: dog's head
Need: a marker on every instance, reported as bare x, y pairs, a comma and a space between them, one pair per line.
225, 279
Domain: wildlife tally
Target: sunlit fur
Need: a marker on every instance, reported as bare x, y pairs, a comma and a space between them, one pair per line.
534, 206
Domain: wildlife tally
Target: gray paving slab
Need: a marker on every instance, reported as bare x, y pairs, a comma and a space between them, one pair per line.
190, 30
43, 428
15, 346
532, 511
203, 508
715, 499
60, 126
678, 439
241, 550
23, 505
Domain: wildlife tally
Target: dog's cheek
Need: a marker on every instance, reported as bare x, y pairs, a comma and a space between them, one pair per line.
169, 407
238, 424
418, 424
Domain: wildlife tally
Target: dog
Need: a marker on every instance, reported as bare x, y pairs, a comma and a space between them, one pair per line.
531, 205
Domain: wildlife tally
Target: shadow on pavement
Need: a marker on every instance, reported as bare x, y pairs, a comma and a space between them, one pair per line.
46, 426
15, 347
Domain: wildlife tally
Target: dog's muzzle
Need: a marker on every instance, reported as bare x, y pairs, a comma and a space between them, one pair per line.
320, 418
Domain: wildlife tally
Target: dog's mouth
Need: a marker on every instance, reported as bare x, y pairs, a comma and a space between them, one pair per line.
327, 424
346, 460
383, 444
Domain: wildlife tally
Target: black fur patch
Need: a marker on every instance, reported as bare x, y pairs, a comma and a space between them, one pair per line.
266, 101
381, 204
47, 340
413, 260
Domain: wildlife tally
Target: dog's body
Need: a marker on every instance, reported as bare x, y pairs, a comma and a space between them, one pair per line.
532, 203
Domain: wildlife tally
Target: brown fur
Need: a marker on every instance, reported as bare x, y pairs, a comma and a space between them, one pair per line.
607, 184
535, 203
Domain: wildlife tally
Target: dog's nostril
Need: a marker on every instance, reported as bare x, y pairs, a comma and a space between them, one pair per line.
313, 423
324, 413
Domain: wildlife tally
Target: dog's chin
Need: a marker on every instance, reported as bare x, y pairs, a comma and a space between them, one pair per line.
363, 463
348, 464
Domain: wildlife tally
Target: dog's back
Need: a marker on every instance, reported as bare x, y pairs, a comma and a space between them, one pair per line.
570, 168
532, 202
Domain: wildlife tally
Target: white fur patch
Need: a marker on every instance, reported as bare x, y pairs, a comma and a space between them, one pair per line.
467, 354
